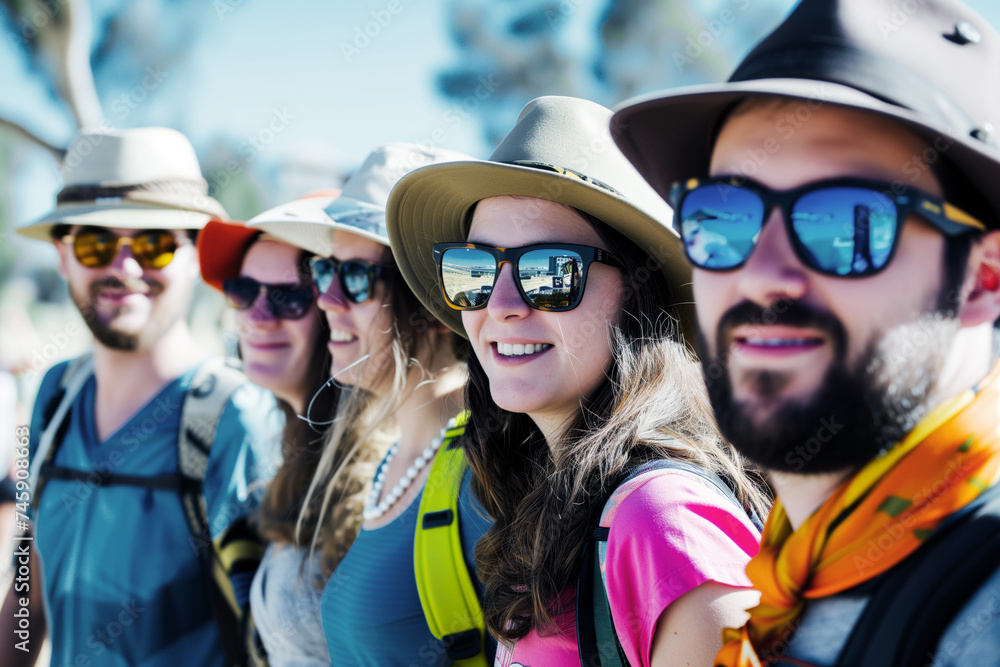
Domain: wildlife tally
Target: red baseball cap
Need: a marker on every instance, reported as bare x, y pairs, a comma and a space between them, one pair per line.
221, 247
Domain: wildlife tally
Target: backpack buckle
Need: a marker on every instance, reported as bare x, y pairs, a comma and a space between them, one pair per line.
462, 645
438, 519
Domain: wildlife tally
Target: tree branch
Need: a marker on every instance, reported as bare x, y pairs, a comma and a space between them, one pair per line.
57, 152
71, 40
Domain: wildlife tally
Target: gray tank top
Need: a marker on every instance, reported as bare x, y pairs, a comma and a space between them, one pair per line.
285, 603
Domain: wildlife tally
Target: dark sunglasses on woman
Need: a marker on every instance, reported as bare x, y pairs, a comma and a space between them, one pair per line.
286, 302
847, 227
549, 276
357, 276
96, 247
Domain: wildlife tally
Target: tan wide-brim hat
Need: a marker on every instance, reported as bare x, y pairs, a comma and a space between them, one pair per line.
359, 207
431, 205
141, 178
934, 71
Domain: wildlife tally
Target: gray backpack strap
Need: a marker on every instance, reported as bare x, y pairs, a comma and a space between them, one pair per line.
211, 389
77, 372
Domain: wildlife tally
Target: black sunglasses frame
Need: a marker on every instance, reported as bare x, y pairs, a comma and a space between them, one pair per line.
279, 297
588, 255
370, 269
946, 218
148, 264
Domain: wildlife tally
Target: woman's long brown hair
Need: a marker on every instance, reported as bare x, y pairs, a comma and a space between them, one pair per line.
652, 405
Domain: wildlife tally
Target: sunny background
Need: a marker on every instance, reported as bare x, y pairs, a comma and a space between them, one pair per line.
280, 98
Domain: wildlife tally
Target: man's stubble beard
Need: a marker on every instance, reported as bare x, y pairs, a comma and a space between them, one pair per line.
168, 307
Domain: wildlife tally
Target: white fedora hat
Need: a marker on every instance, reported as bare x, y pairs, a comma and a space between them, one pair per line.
142, 178
360, 207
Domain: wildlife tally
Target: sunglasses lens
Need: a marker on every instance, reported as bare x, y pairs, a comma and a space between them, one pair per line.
95, 248
552, 279
291, 303
322, 270
356, 280
720, 224
240, 292
467, 276
846, 231
154, 250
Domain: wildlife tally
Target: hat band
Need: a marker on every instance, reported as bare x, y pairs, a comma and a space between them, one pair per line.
870, 73
566, 171
174, 193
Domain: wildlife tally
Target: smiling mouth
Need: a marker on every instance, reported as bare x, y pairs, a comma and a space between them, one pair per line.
803, 341
265, 345
341, 336
520, 350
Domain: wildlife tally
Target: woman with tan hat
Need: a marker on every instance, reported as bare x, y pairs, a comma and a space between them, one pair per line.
402, 382
589, 418
283, 345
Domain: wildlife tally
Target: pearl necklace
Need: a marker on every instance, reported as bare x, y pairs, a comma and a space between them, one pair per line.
373, 508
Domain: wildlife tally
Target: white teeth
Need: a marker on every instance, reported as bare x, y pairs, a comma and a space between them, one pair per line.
341, 336
519, 350
776, 342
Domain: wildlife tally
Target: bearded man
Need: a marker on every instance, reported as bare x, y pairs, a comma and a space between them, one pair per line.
148, 451
838, 201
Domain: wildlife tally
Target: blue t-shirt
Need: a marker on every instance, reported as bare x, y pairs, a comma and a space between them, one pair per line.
371, 608
123, 583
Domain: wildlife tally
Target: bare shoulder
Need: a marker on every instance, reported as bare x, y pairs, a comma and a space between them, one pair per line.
689, 631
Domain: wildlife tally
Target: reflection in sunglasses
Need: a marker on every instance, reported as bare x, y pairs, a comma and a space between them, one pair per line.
549, 282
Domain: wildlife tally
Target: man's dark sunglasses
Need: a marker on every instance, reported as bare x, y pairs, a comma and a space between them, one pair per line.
357, 276
847, 227
286, 302
549, 276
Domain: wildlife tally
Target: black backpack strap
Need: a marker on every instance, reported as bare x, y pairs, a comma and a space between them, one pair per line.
166, 482
596, 637
915, 602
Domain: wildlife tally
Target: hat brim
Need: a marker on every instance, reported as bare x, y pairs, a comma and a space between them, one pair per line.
431, 205
316, 236
124, 216
668, 136
221, 248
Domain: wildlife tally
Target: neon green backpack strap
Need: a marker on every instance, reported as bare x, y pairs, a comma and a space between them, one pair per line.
447, 594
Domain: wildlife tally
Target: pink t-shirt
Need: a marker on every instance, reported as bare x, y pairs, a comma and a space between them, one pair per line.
671, 531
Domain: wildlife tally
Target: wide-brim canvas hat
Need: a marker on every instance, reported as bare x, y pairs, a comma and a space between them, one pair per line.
552, 135
932, 66
141, 178
360, 207
223, 245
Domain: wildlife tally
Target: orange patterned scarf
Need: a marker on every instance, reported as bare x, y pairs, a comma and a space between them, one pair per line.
872, 521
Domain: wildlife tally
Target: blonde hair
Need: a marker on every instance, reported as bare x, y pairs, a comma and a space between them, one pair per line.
365, 426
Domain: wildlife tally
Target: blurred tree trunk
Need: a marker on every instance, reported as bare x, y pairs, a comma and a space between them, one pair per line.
58, 37
69, 41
